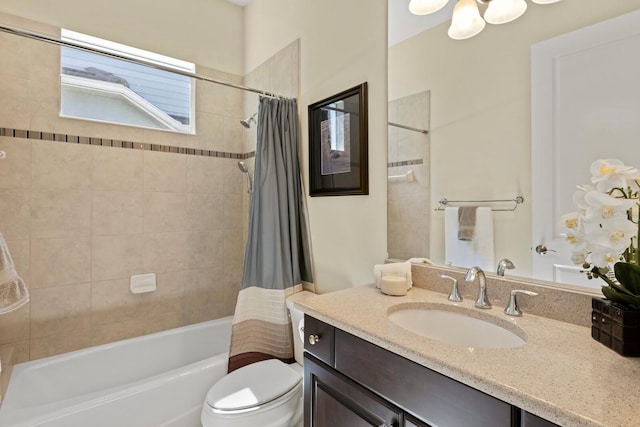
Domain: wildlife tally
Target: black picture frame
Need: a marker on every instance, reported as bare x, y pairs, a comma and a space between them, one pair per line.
339, 144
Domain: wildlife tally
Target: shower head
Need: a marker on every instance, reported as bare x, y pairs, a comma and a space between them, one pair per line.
243, 167
247, 122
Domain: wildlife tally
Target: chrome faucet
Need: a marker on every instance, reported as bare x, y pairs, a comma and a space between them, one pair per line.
482, 301
512, 308
504, 264
454, 295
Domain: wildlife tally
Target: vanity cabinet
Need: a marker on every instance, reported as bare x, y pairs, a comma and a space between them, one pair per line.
352, 382
323, 339
334, 401
530, 420
412, 422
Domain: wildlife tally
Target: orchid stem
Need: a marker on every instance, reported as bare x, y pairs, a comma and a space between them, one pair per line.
606, 279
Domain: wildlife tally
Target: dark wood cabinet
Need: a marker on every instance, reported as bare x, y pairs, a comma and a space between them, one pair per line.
318, 339
350, 382
530, 420
332, 400
430, 396
412, 422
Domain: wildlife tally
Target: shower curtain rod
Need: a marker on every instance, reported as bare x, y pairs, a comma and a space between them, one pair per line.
59, 42
398, 125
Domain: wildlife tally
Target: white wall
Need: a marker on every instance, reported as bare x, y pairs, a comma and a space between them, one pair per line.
206, 32
342, 44
480, 110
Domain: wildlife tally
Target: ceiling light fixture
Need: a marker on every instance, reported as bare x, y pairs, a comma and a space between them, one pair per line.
466, 20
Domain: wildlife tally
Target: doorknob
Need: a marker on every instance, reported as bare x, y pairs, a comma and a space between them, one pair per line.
543, 250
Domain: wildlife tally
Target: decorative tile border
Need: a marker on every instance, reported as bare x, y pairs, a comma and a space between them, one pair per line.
404, 163
74, 139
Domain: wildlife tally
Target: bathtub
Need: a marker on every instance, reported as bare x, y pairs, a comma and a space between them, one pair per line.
157, 380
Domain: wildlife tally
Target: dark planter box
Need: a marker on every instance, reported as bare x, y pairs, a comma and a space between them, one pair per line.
615, 327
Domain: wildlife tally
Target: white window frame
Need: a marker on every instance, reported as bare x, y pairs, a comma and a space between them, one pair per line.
134, 54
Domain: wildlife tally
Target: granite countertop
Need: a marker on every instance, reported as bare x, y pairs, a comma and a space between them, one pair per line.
560, 374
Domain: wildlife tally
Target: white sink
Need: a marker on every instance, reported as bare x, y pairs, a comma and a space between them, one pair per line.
457, 325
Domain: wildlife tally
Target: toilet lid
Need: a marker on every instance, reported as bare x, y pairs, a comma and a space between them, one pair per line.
252, 385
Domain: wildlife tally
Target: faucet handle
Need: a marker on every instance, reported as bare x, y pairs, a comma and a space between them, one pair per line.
454, 295
512, 308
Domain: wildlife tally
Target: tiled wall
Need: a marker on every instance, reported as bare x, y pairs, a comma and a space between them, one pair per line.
408, 210
279, 74
79, 219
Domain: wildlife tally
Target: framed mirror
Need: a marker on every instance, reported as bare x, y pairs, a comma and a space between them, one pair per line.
481, 133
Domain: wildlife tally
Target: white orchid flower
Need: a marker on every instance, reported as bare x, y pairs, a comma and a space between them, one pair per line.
635, 210
604, 230
576, 238
571, 220
612, 238
579, 257
620, 231
611, 173
578, 196
603, 206
603, 257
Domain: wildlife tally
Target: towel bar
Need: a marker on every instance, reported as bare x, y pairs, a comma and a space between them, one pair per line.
517, 201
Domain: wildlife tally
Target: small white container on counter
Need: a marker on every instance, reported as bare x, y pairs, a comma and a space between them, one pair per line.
394, 285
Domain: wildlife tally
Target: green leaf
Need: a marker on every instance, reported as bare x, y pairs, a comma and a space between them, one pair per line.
629, 276
621, 289
624, 300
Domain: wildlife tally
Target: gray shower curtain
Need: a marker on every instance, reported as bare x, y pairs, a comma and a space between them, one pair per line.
277, 257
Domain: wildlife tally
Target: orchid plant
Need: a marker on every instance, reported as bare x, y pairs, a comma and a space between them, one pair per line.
604, 231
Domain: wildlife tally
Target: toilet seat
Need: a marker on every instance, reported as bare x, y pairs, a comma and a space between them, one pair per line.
252, 386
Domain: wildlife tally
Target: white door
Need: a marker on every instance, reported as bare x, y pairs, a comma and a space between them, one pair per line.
585, 105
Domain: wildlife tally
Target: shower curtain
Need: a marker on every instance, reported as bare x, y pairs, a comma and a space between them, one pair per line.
277, 257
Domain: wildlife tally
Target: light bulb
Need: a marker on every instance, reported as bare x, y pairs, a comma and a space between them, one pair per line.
425, 7
466, 21
503, 11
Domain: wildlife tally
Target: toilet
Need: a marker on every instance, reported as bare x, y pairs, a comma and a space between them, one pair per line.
265, 394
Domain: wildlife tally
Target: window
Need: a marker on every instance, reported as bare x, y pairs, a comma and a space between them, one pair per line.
98, 87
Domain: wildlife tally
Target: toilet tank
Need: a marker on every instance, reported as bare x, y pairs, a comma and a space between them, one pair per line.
297, 320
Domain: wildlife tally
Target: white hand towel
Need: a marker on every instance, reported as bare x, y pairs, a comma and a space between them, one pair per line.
477, 252
13, 291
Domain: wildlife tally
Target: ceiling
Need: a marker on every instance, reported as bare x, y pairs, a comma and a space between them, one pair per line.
402, 24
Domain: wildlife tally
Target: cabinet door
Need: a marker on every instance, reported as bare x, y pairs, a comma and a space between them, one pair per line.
332, 400
411, 422
322, 344
430, 396
530, 420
